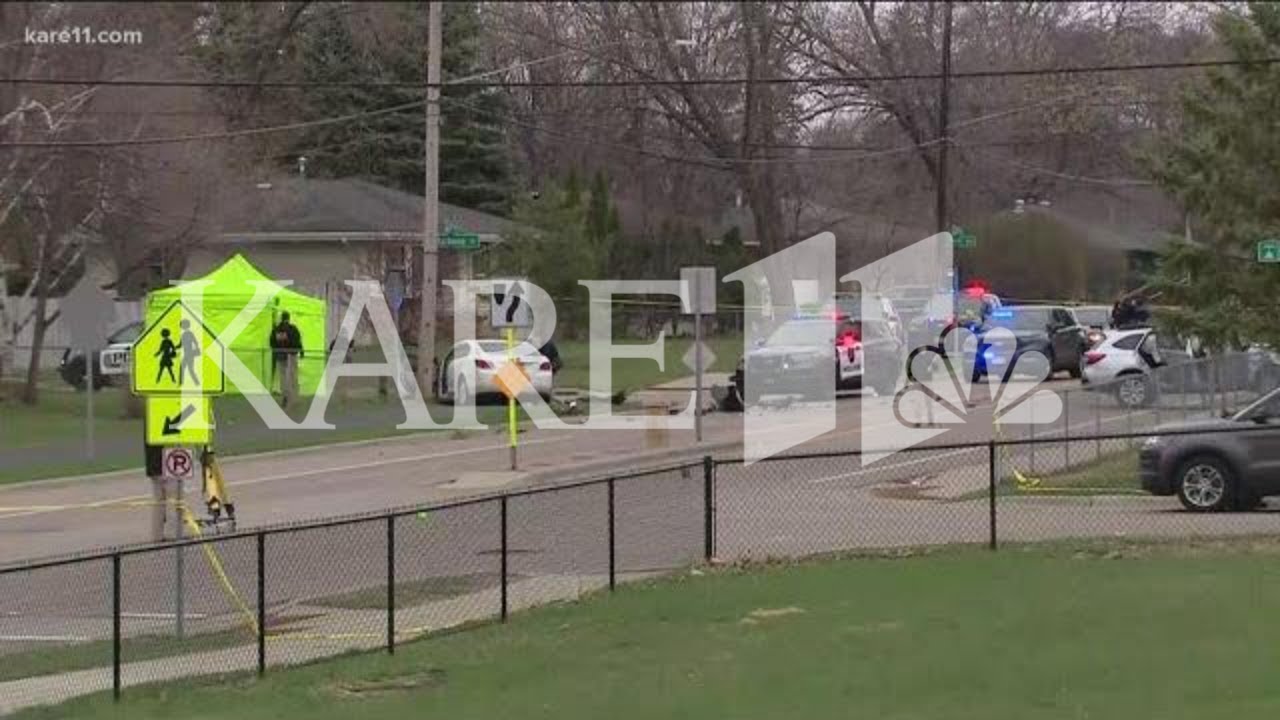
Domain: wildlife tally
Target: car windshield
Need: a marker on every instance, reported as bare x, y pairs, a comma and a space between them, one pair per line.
127, 334
803, 333
492, 346
1093, 317
1020, 319
1266, 406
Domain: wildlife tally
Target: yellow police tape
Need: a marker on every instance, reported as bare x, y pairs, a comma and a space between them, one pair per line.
1031, 484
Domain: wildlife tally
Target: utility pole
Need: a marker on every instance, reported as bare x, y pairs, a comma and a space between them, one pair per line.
944, 107
430, 283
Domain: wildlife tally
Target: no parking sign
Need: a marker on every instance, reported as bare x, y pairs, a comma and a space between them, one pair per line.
178, 463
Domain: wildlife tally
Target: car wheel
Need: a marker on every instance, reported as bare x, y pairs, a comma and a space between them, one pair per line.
1206, 484
1133, 391
1077, 370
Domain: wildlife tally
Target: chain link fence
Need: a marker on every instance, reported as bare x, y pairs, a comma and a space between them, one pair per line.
251, 601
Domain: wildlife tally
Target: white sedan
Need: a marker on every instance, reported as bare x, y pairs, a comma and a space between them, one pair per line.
487, 357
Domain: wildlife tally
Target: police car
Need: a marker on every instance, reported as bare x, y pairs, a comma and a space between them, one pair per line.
799, 358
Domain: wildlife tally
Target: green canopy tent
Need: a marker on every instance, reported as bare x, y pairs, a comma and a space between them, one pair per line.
227, 292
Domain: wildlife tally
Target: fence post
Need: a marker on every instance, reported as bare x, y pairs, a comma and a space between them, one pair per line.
613, 546
1066, 431
391, 584
708, 507
502, 548
991, 491
1097, 427
115, 626
262, 604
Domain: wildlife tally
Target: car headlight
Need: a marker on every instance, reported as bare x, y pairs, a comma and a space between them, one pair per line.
1152, 442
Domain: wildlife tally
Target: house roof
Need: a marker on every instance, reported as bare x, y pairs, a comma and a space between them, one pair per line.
316, 209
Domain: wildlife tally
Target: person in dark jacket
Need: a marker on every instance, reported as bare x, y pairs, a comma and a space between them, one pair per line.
550, 352
286, 350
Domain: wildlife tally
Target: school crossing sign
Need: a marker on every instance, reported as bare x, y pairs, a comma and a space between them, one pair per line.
178, 355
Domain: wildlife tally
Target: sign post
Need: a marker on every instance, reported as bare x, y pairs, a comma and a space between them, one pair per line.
87, 311
178, 464
700, 282
509, 311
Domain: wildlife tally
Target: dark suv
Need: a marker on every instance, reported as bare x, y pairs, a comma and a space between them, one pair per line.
1047, 329
1231, 468
73, 365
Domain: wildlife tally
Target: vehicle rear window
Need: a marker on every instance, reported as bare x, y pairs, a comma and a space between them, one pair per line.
1128, 342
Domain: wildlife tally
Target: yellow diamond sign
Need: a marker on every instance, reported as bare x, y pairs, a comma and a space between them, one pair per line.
178, 354
511, 379
177, 420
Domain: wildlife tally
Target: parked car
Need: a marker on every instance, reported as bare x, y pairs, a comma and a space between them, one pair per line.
73, 364
488, 357
847, 307
1052, 331
1232, 468
865, 354
1126, 361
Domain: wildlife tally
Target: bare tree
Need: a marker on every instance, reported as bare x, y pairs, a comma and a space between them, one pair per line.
69, 173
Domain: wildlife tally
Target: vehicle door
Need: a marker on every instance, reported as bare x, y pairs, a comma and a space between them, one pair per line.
444, 383
1065, 337
1262, 442
1181, 372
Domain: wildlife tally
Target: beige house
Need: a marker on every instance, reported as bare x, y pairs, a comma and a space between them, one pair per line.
320, 233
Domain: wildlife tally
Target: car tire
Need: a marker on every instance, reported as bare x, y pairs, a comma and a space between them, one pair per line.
1134, 391
462, 393
1077, 371
1205, 484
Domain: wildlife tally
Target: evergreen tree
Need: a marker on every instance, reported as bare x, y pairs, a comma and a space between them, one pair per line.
387, 148
1224, 166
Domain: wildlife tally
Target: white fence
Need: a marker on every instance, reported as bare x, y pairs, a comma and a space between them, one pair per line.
56, 338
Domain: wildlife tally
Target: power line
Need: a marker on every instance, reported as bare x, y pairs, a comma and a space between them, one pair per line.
1109, 182
633, 83
224, 135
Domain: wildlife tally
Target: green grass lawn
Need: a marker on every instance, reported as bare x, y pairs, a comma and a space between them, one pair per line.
632, 374
1079, 630
1114, 473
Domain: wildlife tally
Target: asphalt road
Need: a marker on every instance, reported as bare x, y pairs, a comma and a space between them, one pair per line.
52, 518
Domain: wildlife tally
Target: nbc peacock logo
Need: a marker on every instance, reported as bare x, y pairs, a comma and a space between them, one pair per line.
946, 381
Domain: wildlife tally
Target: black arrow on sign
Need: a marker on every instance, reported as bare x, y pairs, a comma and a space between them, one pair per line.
515, 302
171, 423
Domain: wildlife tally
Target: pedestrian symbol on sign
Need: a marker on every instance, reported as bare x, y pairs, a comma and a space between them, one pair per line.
178, 354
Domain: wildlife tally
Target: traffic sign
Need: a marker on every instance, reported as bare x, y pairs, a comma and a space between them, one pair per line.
700, 284
963, 239
1269, 251
512, 379
455, 239
509, 309
177, 420
178, 463
178, 354
88, 313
